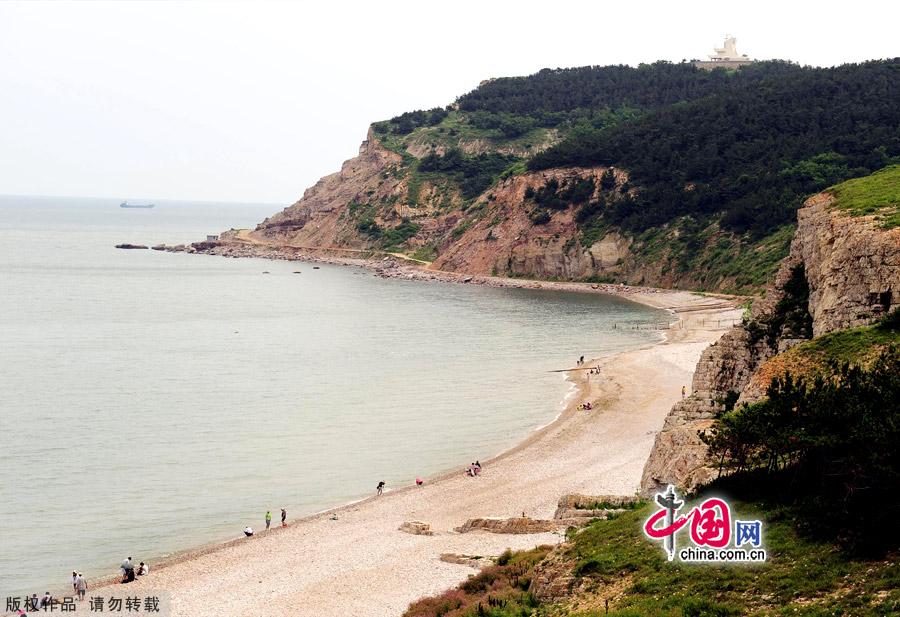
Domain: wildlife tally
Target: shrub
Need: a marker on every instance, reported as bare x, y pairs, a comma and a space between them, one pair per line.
539, 216
473, 174
834, 442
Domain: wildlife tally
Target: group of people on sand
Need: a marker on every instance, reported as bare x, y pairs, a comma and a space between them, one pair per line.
129, 571
248, 531
79, 584
474, 469
585, 406
594, 370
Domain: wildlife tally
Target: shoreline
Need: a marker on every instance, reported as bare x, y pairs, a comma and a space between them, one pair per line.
241, 244
167, 574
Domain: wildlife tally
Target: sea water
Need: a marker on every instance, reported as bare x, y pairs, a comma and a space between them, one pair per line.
151, 402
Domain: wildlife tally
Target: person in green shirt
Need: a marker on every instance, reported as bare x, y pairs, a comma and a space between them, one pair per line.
268, 519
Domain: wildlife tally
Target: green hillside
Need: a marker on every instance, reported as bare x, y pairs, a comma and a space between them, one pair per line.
614, 560
877, 195
718, 161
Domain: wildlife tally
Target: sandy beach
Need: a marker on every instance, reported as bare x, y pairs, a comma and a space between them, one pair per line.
360, 564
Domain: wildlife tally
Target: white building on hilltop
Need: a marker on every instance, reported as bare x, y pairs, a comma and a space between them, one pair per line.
726, 56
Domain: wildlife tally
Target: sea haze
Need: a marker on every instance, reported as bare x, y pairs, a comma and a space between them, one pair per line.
151, 402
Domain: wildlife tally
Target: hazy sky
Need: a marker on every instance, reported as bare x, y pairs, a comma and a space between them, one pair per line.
254, 102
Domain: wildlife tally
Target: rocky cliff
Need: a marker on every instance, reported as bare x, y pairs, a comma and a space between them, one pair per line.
490, 234
379, 201
842, 271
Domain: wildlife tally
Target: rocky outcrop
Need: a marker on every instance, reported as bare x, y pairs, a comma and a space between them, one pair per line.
318, 218
852, 265
473, 561
506, 241
852, 270
508, 525
554, 578
581, 509
416, 528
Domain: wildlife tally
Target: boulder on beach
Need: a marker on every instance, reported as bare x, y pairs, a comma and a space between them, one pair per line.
416, 528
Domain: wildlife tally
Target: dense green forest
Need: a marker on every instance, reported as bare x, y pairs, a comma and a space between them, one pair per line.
561, 91
746, 146
753, 150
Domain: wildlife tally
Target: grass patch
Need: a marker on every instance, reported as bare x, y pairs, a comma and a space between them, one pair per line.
802, 577
855, 345
427, 252
877, 194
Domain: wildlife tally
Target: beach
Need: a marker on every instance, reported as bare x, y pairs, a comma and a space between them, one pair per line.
354, 560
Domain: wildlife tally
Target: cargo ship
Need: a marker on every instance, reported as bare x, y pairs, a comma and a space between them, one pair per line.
125, 204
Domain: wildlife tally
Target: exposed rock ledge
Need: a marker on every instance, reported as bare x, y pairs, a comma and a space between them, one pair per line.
508, 525
852, 267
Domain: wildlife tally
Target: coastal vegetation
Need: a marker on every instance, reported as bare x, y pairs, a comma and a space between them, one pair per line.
617, 571
473, 174
829, 442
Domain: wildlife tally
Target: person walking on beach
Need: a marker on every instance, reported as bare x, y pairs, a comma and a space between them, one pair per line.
283, 517
380, 487
80, 586
74, 578
683, 391
268, 518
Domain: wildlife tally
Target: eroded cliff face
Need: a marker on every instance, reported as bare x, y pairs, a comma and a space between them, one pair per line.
492, 234
506, 241
377, 193
852, 270
317, 219
852, 265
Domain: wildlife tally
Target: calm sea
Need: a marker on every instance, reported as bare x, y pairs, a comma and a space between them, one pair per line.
150, 402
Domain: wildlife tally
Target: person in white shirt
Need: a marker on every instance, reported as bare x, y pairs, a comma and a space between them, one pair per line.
247, 531
143, 569
80, 586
